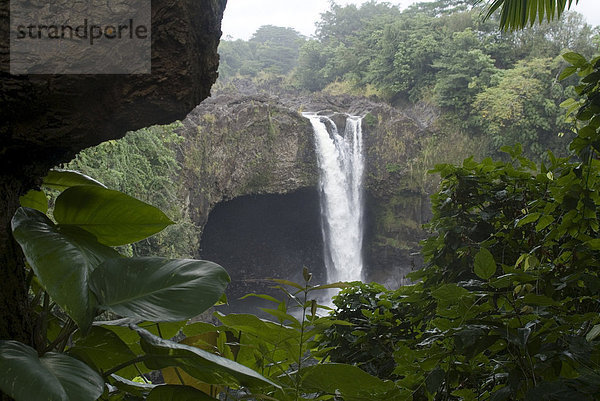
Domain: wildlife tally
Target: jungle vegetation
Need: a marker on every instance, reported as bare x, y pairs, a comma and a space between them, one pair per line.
505, 308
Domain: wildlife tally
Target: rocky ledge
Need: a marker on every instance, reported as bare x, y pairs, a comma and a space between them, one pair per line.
249, 144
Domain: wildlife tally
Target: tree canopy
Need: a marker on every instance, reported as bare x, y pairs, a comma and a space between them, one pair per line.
443, 53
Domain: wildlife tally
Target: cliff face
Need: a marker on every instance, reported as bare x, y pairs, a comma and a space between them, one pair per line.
260, 144
246, 145
396, 204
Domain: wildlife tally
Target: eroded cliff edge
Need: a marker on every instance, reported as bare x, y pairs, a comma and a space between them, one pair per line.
240, 145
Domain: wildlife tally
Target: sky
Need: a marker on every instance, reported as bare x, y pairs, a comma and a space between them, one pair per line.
243, 17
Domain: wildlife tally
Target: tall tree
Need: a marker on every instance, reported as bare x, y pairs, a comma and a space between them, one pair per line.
343, 23
271, 49
406, 51
523, 107
277, 48
464, 70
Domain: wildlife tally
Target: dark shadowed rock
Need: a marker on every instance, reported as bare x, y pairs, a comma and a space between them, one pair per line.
48, 118
242, 145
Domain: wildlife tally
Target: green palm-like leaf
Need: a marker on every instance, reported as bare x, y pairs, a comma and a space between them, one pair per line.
266, 330
52, 377
158, 289
121, 328
517, 14
112, 216
62, 258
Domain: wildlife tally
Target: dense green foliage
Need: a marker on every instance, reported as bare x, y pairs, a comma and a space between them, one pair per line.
77, 278
281, 349
271, 49
523, 107
441, 53
379, 321
144, 164
506, 307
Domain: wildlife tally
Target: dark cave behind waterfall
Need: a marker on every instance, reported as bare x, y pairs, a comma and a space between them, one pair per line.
258, 237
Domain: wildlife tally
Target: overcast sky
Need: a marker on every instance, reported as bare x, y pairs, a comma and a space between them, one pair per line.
243, 17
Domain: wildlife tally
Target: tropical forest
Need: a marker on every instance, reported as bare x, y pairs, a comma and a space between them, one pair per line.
400, 206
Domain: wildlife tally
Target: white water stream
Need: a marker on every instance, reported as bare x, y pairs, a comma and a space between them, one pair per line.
341, 167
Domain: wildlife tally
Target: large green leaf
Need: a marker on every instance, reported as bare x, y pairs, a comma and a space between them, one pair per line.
158, 289
36, 200
112, 216
52, 377
268, 331
349, 381
103, 349
593, 333
197, 328
207, 367
575, 58
485, 265
434, 380
122, 328
449, 292
172, 392
531, 217
62, 258
63, 179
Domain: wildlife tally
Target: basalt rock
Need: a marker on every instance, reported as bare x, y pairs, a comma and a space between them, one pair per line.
238, 145
47, 119
244, 145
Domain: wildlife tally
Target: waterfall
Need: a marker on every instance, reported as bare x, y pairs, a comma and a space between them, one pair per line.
341, 166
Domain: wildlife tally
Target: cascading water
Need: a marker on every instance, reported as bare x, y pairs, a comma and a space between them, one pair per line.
341, 166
